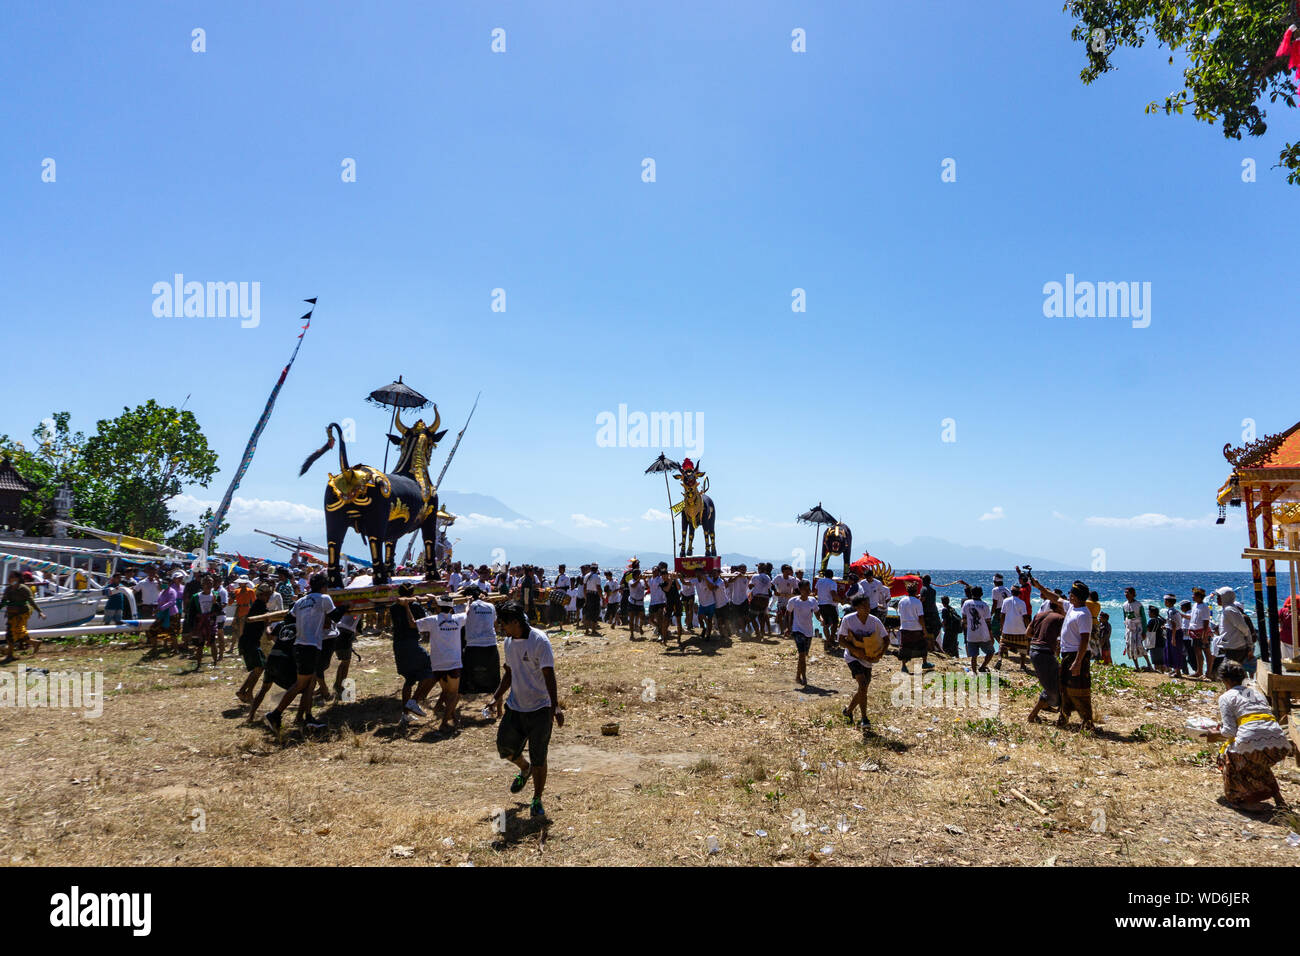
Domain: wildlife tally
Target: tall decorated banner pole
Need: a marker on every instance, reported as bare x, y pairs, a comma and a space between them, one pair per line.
251, 447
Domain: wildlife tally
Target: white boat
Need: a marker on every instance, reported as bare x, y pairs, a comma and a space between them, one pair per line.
69, 609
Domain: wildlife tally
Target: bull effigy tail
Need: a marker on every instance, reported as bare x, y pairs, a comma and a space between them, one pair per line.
311, 459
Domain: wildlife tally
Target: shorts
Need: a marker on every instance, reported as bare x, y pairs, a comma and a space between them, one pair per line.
480, 669
758, 604
830, 617
518, 728
447, 675
250, 648
781, 602
412, 662
859, 669
706, 610
306, 658
343, 644
113, 617
326, 652
279, 667
802, 642
912, 644
974, 648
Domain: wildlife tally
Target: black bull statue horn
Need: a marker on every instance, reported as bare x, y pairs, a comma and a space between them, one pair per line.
379, 506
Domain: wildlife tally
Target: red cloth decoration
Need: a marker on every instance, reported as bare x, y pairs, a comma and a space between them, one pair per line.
1290, 48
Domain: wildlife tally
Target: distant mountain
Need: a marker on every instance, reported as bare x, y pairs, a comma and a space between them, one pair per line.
487, 530
927, 553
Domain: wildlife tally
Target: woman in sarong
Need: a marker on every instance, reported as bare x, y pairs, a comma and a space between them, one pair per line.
1253, 743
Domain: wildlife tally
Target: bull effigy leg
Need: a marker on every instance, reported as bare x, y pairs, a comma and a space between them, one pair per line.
687, 529
377, 566
390, 556
335, 575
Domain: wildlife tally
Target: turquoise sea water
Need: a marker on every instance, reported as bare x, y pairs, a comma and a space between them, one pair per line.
1151, 586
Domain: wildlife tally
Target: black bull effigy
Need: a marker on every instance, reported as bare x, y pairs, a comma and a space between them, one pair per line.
837, 539
382, 507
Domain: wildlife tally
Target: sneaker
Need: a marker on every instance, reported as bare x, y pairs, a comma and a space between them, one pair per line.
535, 809
272, 720
927, 666
415, 708
314, 725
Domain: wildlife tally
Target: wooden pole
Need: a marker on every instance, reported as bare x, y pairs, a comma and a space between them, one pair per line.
671, 523
1270, 583
1251, 517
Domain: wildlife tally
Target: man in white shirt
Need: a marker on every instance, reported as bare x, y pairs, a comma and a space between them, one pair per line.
864, 640
911, 625
828, 608
738, 608
785, 586
705, 585
455, 579
760, 599
444, 630
533, 703
562, 579
658, 601
591, 601
1198, 631
481, 671
975, 616
635, 605
1014, 630
802, 609
997, 596
314, 614
688, 601
1076, 676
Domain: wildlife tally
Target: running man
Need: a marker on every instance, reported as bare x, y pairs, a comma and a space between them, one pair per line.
532, 706
858, 632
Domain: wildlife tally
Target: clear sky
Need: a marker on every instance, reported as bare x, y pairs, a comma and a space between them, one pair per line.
774, 171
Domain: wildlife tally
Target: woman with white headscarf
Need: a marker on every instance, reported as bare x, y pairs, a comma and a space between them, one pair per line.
1234, 634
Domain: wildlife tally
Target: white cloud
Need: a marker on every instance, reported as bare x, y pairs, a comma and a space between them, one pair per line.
997, 514
1150, 520
476, 520
250, 511
582, 521
546, 522
654, 514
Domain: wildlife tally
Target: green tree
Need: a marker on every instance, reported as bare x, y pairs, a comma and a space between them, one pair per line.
137, 462
1230, 47
52, 457
190, 537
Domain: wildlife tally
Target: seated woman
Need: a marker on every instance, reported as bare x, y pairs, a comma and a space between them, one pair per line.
1255, 742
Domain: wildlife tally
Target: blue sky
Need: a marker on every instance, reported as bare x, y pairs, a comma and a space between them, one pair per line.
775, 170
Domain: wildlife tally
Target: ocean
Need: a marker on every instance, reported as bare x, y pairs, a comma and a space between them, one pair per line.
1151, 586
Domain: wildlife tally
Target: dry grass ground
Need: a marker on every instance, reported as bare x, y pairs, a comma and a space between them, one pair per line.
720, 767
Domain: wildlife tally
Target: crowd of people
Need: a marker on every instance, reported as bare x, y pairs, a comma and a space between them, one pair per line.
289, 632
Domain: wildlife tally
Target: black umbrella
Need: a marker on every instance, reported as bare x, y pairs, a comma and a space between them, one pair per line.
396, 395
665, 464
817, 516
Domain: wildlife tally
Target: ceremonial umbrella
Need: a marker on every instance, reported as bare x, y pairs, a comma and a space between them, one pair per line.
666, 464
817, 516
396, 395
